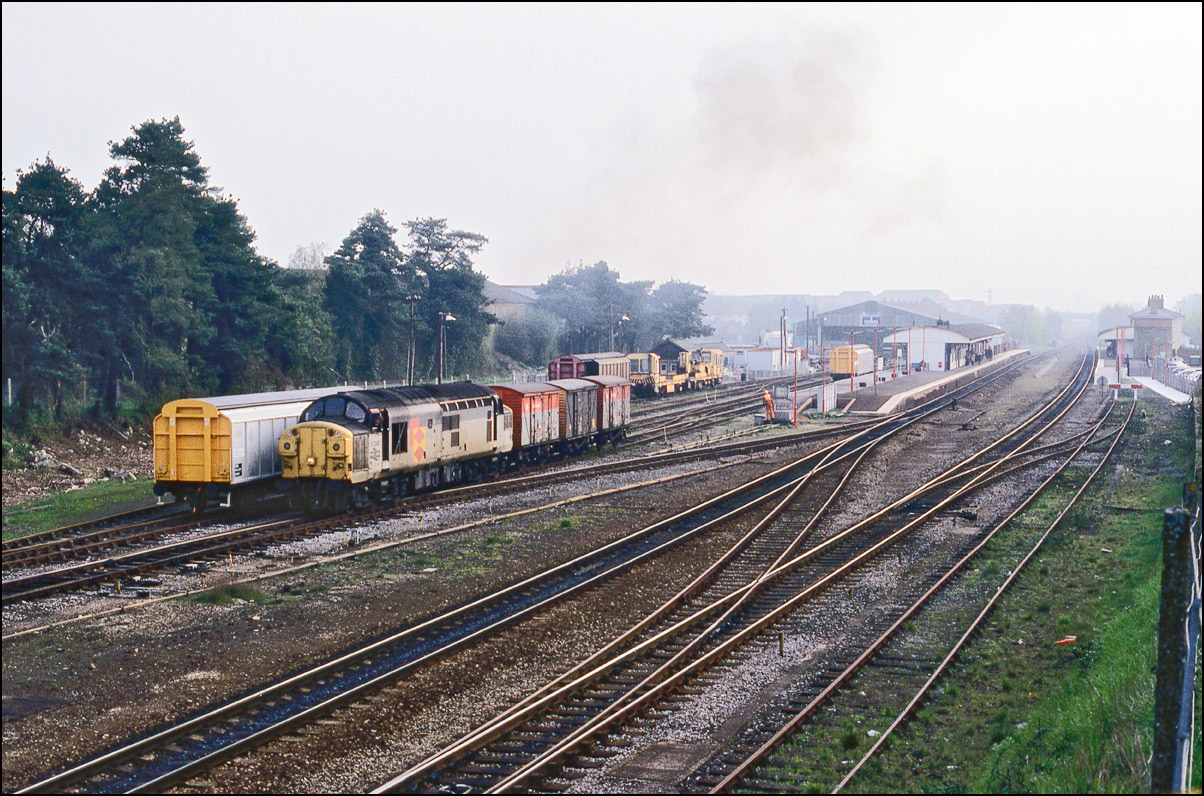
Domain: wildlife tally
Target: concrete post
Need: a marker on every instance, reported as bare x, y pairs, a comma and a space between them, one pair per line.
1172, 646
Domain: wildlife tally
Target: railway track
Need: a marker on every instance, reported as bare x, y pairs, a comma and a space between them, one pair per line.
178, 752
525, 746
123, 567
700, 415
70, 534
650, 410
141, 526
891, 662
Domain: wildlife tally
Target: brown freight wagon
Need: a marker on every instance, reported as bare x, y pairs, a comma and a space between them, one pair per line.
536, 410
582, 366
614, 407
578, 413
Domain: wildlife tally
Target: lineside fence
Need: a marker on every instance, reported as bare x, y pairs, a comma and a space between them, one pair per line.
1160, 371
1175, 733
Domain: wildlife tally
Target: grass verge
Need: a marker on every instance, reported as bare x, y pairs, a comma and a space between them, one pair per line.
67, 508
1020, 713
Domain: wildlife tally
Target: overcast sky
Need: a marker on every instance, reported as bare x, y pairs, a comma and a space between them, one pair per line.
1041, 154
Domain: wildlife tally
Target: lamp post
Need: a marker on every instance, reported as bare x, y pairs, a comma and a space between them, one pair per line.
622, 318
444, 318
412, 297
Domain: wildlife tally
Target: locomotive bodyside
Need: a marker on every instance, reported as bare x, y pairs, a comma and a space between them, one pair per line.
367, 445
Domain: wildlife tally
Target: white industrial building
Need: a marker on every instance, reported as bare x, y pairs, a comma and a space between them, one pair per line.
760, 362
945, 347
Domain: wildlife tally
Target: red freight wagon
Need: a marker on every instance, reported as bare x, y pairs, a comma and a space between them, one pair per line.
614, 406
578, 412
536, 410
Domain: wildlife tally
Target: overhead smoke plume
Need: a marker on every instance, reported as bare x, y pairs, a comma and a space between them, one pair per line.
774, 108
764, 137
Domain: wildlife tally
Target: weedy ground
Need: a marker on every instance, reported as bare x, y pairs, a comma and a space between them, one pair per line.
1019, 713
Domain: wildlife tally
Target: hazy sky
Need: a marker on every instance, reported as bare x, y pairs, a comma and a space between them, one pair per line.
1046, 154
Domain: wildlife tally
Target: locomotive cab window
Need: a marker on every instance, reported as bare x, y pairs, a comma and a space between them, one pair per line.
355, 412
335, 406
399, 438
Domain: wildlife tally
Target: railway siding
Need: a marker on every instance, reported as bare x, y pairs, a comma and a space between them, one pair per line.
1020, 712
372, 746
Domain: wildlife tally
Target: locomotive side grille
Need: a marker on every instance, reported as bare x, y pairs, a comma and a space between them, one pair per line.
359, 452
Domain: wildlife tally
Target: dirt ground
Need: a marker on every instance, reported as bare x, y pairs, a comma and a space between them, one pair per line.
72, 462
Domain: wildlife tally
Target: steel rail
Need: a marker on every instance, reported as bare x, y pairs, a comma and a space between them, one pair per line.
977, 622
655, 684
413, 503
603, 659
115, 757
573, 680
743, 769
524, 711
78, 545
110, 759
65, 531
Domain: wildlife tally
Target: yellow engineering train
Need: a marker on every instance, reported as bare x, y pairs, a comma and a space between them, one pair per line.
692, 370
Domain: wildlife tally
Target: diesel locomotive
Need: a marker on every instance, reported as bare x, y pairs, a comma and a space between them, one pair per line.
361, 447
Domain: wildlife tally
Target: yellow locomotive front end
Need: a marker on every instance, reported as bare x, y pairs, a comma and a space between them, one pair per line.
323, 450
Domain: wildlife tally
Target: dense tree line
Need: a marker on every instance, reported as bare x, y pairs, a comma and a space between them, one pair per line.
598, 312
149, 288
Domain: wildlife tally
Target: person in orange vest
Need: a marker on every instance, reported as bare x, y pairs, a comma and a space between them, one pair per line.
768, 401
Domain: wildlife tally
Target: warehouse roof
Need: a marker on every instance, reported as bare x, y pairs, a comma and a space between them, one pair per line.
976, 331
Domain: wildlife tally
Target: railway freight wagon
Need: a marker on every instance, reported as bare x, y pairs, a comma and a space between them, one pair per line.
614, 407
578, 413
362, 446
536, 410
850, 361
207, 449
580, 366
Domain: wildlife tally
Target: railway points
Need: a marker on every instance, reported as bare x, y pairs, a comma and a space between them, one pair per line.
620, 751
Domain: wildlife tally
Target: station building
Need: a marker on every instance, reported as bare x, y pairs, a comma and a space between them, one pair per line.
945, 346
865, 321
1118, 338
1157, 331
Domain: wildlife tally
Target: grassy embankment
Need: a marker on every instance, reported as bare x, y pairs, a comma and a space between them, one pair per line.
1019, 713
66, 508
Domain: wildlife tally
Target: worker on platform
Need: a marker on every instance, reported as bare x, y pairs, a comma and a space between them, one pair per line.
767, 399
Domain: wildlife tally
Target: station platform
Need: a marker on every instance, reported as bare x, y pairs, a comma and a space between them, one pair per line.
895, 395
1105, 373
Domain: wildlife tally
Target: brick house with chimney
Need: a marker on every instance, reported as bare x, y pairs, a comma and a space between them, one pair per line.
1157, 331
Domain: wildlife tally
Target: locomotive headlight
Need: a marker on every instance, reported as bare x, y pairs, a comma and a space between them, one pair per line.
288, 446
336, 446
311, 461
